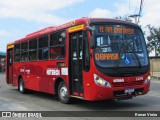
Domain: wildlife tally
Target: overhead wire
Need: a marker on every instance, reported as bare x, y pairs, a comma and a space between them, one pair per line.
140, 10
138, 15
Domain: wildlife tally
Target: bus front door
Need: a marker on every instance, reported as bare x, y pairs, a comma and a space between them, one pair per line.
75, 57
9, 66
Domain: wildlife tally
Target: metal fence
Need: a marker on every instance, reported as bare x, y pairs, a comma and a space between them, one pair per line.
155, 66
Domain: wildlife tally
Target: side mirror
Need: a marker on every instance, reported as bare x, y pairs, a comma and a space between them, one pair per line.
92, 40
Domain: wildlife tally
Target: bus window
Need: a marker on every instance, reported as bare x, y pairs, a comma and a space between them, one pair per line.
17, 55
53, 39
43, 54
24, 46
43, 41
24, 56
17, 48
24, 51
57, 52
33, 49
57, 45
43, 48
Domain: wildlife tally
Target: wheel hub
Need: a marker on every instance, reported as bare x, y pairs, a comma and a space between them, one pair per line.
63, 92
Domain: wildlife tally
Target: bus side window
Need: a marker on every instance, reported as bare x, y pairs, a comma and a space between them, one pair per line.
17, 55
24, 51
57, 45
43, 48
33, 49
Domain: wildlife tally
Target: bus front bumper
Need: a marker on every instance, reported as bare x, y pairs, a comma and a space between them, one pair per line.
106, 93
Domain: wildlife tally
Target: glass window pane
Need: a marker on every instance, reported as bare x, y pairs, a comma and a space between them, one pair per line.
24, 46
43, 41
61, 38
57, 52
17, 48
24, 56
33, 44
33, 55
53, 39
57, 38
43, 54
17, 57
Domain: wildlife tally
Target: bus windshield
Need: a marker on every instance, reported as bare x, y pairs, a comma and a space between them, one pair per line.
119, 46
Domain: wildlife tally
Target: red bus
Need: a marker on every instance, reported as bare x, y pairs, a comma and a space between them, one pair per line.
88, 58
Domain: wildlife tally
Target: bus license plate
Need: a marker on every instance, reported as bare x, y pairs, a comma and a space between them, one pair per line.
129, 90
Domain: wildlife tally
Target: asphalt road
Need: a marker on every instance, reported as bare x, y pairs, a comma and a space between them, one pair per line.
12, 100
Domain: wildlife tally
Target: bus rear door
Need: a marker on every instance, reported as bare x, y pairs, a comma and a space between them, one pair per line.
9, 66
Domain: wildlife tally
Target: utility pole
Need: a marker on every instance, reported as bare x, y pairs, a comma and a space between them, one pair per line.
137, 16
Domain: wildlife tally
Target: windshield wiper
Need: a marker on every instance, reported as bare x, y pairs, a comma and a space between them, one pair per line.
120, 52
122, 49
118, 61
117, 64
139, 63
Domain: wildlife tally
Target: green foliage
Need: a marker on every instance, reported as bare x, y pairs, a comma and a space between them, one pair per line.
153, 40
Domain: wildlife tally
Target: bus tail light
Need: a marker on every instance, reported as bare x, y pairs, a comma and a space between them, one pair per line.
147, 79
100, 81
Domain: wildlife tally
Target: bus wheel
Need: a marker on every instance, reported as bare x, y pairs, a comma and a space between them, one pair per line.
21, 87
63, 93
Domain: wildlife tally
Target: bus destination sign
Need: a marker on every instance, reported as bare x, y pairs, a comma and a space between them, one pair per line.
115, 29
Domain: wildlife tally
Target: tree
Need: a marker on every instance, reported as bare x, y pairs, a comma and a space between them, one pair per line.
153, 40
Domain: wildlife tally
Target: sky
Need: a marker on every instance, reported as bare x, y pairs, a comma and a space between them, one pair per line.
21, 17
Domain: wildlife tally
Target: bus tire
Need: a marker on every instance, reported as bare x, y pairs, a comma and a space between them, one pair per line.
21, 87
63, 93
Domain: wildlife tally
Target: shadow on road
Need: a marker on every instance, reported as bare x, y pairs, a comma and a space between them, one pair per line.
86, 105
121, 105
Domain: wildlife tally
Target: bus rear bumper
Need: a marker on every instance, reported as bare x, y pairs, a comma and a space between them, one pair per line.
104, 93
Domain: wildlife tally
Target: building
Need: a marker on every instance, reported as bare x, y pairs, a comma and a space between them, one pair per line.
2, 61
155, 66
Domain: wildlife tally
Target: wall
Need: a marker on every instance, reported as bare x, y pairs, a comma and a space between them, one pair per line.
155, 66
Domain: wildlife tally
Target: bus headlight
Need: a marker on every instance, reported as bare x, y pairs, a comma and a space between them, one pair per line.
100, 81
147, 79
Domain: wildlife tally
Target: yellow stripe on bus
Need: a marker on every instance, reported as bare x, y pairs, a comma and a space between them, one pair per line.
76, 28
10, 46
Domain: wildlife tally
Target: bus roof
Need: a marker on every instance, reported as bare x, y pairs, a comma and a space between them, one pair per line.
84, 20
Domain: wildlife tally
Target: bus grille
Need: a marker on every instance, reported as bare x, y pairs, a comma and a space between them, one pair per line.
125, 84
